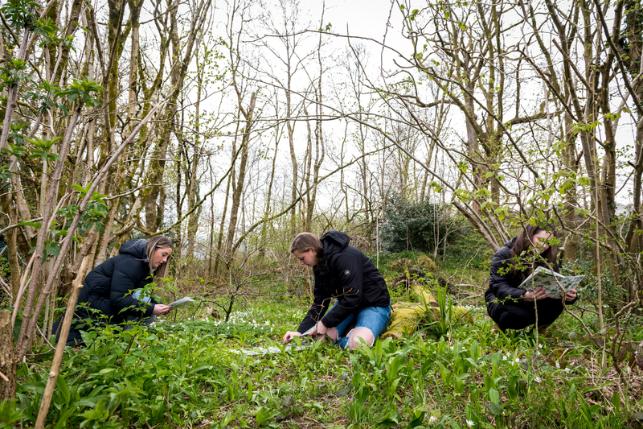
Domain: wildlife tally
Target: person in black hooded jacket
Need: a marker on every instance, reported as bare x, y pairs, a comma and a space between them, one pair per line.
362, 310
512, 307
110, 292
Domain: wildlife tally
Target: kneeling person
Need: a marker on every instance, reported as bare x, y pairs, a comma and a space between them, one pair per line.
109, 292
363, 307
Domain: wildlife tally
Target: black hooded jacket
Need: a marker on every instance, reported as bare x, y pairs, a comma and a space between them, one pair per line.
345, 273
108, 287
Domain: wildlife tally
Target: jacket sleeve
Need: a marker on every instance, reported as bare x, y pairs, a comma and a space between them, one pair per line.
498, 282
123, 282
316, 311
351, 277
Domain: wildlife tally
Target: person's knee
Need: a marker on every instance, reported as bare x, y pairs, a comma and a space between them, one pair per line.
360, 335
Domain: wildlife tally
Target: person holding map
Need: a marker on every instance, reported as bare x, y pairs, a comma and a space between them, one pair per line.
510, 303
363, 306
111, 292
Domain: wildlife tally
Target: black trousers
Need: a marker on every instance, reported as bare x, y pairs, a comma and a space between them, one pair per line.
519, 315
74, 338
83, 322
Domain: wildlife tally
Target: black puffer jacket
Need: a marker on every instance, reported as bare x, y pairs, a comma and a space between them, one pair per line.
108, 287
345, 273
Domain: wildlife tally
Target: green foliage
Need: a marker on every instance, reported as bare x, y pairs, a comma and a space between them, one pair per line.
21, 13
82, 92
93, 216
445, 306
470, 253
44, 95
42, 148
13, 72
191, 374
417, 226
48, 32
580, 127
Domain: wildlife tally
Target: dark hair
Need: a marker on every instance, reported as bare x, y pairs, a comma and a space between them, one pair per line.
526, 240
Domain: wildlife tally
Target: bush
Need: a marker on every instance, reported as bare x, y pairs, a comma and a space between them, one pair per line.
419, 226
468, 251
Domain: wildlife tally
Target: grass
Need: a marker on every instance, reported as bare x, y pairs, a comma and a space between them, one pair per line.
186, 374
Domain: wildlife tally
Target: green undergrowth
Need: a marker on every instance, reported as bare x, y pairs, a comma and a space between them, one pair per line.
190, 374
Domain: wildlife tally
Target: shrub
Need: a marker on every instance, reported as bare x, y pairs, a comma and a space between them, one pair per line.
419, 226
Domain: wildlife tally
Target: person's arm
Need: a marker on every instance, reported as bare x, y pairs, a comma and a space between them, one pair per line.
316, 311
123, 282
500, 285
352, 283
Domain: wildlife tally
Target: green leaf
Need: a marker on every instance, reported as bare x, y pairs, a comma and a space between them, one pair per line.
21, 13
494, 396
30, 223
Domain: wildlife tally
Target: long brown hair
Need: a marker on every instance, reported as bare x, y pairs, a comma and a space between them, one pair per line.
525, 241
154, 243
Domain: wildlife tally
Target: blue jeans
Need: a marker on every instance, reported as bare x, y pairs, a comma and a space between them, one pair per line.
374, 318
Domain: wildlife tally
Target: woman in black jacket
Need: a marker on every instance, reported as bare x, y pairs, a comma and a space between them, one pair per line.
110, 292
512, 307
362, 310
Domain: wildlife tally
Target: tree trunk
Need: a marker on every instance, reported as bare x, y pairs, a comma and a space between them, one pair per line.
241, 175
268, 205
7, 358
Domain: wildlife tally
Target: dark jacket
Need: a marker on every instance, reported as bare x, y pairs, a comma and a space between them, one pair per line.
507, 273
345, 273
108, 287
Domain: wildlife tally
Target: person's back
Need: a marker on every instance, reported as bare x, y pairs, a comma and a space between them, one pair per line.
339, 260
111, 292
106, 286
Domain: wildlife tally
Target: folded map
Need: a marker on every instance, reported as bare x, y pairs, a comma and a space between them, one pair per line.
555, 284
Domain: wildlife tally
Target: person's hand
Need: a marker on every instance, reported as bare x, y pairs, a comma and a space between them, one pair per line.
290, 335
160, 309
321, 328
535, 294
570, 295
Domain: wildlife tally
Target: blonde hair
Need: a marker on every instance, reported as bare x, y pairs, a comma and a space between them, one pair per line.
158, 242
305, 241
